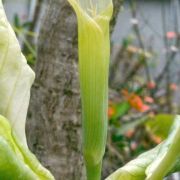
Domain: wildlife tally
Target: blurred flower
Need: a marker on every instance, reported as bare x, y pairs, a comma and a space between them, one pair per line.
156, 139
144, 108
130, 133
151, 85
135, 101
148, 99
173, 87
133, 145
111, 112
171, 35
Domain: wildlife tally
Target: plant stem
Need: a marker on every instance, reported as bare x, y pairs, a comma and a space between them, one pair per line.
94, 172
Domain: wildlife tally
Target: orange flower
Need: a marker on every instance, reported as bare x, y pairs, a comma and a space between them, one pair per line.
111, 112
135, 101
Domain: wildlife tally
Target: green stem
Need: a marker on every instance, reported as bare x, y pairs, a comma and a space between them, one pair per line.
94, 172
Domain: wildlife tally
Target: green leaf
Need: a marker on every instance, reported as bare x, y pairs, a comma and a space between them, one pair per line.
121, 109
16, 161
17, 23
160, 125
156, 163
135, 169
16, 78
167, 155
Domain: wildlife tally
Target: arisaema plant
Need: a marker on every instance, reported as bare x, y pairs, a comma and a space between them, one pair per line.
16, 78
94, 49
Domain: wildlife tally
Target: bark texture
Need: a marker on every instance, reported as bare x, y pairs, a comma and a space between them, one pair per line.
54, 124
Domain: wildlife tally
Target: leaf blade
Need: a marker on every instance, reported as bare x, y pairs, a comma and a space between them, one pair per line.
156, 163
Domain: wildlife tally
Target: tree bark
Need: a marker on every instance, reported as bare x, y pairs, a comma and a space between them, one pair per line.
54, 125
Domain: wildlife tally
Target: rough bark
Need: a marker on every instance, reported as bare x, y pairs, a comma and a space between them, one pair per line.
54, 125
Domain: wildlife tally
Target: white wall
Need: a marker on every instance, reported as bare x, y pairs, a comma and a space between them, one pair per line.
19, 7
149, 17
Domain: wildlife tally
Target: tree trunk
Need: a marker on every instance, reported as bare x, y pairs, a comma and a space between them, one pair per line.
54, 125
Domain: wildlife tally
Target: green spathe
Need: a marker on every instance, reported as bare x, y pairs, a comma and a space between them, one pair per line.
16, 78
94, 51
16, 161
